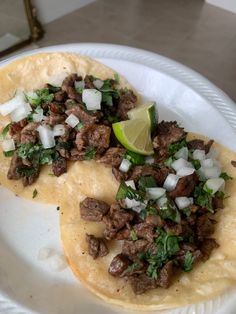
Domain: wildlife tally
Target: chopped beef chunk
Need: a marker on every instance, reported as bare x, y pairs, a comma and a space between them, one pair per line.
173, 228
142, 283
200, 144
64, 153
55, 118
115, 220
59, 166
119, 175
134, 247
207, 246
56, 108
60, 96
185, 186
95, 135
146, 170
113, 156
96, 246
145, 231
185, 247
154, 220
165, 275
194, 208
16, 162
123, 234
88, 82
82, 115
205, 227
67, 135
29, 134
16, 128
76, 155
92, 209
233, 163
118, 265
28, 180
167, 133
217, 202
126, 102
69, 88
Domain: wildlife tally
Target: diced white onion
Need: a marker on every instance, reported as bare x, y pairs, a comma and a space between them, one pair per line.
45, 253
131, 203
209, 172
46, 136
79, 84
183, 172
16, 102
171, 182
38, 116
154, 193
32, 94
125, 165
207, 162
58, 130
162, 201
57, 79
131, 184
213, 153
72, 120
183, 202
98, 83
92, 99
199, 154
216, 184
182, 153
181, 163
149, 160
21, 112
8, 145
57, 262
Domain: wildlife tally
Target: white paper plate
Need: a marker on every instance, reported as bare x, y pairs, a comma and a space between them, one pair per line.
30, 286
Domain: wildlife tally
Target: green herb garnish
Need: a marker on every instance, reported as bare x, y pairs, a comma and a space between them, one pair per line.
5, 130
168, 162
188, 261
26, 171
146, 182
35, 193
90, 152
127, 191
169, 211
173, 148
135, 158
225, 176
44, 96
196, 163
79, 126
133, 235
10, 153
203, 197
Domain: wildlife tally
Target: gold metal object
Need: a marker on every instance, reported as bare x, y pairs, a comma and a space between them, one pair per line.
35, 28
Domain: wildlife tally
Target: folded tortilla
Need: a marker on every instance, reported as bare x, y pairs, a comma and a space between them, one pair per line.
92, 179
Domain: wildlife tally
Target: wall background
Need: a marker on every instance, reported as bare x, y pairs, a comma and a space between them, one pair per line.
49, 10
229, 5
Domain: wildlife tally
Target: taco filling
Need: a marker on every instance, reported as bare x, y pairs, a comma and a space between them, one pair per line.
164, 211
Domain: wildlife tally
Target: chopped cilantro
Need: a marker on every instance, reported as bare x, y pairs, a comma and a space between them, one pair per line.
203, 198
79, 90
52, 88
79, 126
196, 163
127, 191
90, 152
220, 194
5, 130
109, 93
188, 261
10, 153
65, 145
35, 193
44, 96
150, 210
133, 235
173, 148
26, 171
168, 162
117, 78
186, 211
170, 211
207, 189
225, 176
135, 158
146, 182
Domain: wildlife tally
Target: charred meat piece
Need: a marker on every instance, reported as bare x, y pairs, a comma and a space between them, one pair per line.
200, 144
118, 265
207, 246
146, 170
145, 231
56, 108
119, 175
96, 246
29, 133
233, 163
205, 227
126, 102
134, 247
185, 186
15, 129
154, 220
165, 275
16, 162
95, 135
167, 133
82, 115
123, 234
69, 87
76, 155
55, 118
115, 220
173, 228
28, 180
217, 202
59, 166
88, 82
60, 96
113, 156
142, 283
92, 209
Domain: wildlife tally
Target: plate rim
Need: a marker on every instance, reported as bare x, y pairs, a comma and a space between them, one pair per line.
201, 85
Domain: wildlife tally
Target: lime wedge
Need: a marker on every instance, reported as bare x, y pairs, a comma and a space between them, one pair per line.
145, 112
134, 135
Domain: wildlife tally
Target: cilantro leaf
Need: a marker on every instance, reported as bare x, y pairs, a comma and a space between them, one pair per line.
196, 163
225, 176
44, 96
127, 191
168, 162
117, 78
136, 159
133, 235
52, 88
202, 197
10, 153
169, 211
173, 148
188, 261
90, 152
5, 130
146, 182
26, 171
35, 193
